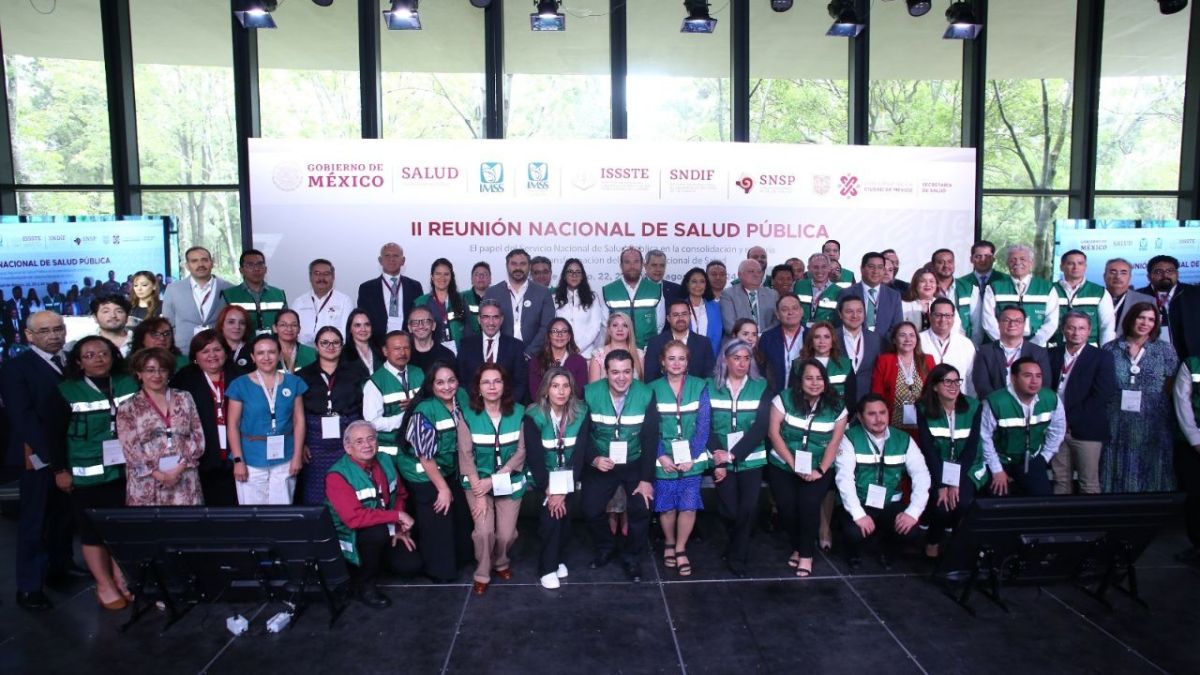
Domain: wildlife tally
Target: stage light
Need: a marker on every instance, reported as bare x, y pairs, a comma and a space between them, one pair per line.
256, 13
963, 25
481, 4
781, 5
919, 7
547, 17
322, 3
1171, 6
697, 20
403, 16
845, 19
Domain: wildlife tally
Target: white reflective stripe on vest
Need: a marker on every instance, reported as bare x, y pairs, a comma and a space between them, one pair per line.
726, 404
837, 379
389, 449
670, 408
611, 420
552, 444
826, 303
802, 423
248, 306
646, 302
121, 399
89, 406
944, 432
87, 471
1086, 302
396, 397
346, 546
887, 459
1030, 299
443, 425
489, 439
619, 304
269, 306
365, 493
1016, 422
1196, 377
966, 302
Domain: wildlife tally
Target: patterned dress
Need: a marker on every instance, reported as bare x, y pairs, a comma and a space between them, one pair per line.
144, 439
906, 394
1139, 456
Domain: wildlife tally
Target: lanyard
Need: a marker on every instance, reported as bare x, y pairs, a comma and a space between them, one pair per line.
1134, 368
496, 427
489, 350
877, 453
441, 312
1069, 363
856, 351
393, 289
330, 383
695, 317
257, 306
812, 414
559, 422
619, 410
203, 300
942, 348
1016, 354
218, 396
735, 395
1118, 304
909, 373
270, 396
317, 315
107, 392
164, 416
516, 304
1070, 293
679, 406
950, 418
289, 363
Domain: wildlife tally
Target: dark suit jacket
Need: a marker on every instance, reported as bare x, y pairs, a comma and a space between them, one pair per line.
671, 291
700, 356
888, 311
991, 370
1092, 384
535, 316
770, 343
191, 379
29, 387
371, 301
900, 286
1184, 317
872, 346
510, 354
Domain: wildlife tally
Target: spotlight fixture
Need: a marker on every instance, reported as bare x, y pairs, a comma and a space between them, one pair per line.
547, 17
919, 7
963, 25
781, 5
1171, 6
403, 16
845, 19
322, 3
480, 4
697, 20
256, 13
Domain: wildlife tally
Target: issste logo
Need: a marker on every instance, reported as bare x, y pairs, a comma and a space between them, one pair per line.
746, 183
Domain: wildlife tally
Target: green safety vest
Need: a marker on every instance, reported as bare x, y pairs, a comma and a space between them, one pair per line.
1086, 301
261, 314
885, 470
838, 370
495, 446
368, 495
472, 302
54, 303
845, 279
641, 308
971, 279
548, 438
826, 302
963, 288
949, 444
394, 398
729, 416
447, 441
1034, 302
804, 431
454, 321
679, 422
1015, 437
91, 424
607, 426
304, 356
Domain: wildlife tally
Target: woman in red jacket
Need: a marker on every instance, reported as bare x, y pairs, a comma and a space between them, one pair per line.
899, 375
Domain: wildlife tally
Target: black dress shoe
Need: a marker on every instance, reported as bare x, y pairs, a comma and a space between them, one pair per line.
633, 572
34, 601
601, 560
372, 597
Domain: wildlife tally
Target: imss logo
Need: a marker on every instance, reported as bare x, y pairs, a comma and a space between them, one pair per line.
491, 177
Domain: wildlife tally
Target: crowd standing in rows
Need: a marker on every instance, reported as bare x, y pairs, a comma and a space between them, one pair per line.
871, 408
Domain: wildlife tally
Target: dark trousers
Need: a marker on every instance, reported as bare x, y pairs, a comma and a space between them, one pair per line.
1032, 483
1187, 465
737, 502
555, 534
444, 541
43, 530
375, 552
885, 530
217, 486
941, 519
598, 488
799, 504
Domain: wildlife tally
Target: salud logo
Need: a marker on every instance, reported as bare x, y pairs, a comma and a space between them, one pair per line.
539, 176
849, 186
491, 177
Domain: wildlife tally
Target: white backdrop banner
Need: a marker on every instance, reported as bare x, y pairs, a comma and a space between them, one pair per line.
474, 200
1137, 245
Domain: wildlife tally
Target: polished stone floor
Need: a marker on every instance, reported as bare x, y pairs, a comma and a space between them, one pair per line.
871, 622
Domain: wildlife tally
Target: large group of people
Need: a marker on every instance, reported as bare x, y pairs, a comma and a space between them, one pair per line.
875, 411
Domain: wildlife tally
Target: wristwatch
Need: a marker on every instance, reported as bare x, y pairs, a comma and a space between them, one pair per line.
237, 460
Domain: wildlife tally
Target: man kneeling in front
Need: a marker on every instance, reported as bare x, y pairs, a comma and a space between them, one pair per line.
367, 500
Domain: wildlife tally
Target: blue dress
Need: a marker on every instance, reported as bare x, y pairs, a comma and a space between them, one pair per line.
683, 494
1138, 458
256, 417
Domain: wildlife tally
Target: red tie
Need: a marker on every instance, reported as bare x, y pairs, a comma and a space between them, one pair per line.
490, 356
1162, 301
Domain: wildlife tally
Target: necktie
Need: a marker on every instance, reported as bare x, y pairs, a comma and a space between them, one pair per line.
58, 361
394, 302
490, 355
753, 295
1162, 301
871, 308
404, 379
982, 280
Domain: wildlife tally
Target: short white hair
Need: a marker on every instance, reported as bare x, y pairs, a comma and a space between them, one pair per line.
1020, 248
358, 424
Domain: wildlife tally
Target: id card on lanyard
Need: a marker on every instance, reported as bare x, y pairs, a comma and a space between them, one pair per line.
951, 469
562, 479
618, 450
681, 451
275, 443
732, 438
876, 492
803, 458
217, 390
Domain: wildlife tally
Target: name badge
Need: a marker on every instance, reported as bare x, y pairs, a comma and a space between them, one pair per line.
1131, 401
681, 452
502, 484
875, 496
168, 463
951, 471
331, 427
391, 529
275, 447
36, 462
731, 439
264, 331
114, 455
618, 451
562, 482
909, 415
222, 437
804, 462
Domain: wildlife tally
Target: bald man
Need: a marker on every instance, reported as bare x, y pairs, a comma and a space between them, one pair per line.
388, 298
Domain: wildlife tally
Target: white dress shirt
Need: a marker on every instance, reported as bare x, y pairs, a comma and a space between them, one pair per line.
518, 305
1183, 405
373, 402
957, 350
204, 295
334, 307
914, 465
854, 348
1055, 433
587, 324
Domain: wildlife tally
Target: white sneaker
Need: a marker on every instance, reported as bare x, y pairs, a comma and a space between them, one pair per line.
562, 571
550, 581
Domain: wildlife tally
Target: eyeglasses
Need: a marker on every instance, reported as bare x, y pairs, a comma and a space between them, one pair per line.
52, 330
574, 271
94, 356
329, 344
154, 371
164, 334
942, 315
421, 322
559, 331
1012, 319
953, 384
679, 315
289, 326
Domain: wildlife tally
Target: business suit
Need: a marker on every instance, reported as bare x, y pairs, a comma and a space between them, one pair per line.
671, 291
510, 354
888, 311
1183, 318
872, 346
1131, 298
179, 307
991, 368
901, 287
537, 312
29, 388
1091, 385
372, 301
771, 344
700, 356
735, 304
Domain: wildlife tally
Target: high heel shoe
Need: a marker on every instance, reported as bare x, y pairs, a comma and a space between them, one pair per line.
114, 605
